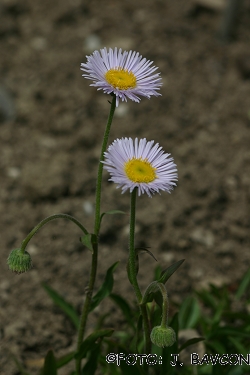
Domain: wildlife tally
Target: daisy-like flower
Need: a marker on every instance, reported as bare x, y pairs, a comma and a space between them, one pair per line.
140, 164
126, 74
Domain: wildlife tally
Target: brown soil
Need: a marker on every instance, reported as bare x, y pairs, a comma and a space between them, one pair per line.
51, 128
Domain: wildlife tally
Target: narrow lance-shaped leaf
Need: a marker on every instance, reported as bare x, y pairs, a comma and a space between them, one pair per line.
139, 250
169, 271
62, 361
244, 285
106, 287
152, 288
189, 313
19, 366
191, 342
65, 306
89, 240
90, 366
49, 367
124, 306
89, 343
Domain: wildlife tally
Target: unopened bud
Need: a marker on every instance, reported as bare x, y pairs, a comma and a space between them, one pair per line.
162, 337
19, 261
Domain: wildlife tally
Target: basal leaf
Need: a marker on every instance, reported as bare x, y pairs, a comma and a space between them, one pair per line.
65, 306
240, 348
49, 367
106, 287
90, 366
244, 285
89, 343
216, 346
191, 342
228, 331
124, 306
62, 361
189, 313
20, 367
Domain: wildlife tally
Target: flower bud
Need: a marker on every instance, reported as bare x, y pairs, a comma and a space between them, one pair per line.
162, 337
19, 261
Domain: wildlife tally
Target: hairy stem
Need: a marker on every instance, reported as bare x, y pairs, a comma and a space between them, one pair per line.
45, 221
133, 272
88, 299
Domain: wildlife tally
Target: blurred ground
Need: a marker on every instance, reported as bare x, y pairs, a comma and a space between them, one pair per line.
51, 126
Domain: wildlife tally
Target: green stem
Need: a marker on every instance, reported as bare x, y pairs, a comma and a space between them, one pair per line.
86, 306
132, 269
100, 167
165, 305
45, 221
88, 299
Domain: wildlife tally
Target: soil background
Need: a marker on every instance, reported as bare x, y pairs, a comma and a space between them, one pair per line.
51, 127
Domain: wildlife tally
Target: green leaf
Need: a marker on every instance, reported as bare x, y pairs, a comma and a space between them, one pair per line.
19, 366
148, 295
228, 331
127, 369
217, 317
65, 306
106, 287
92, 362
49, 367
89, 240
157, 272
137, 336
89, 343
169, 271
208, 299
191, 342
62, 361
244, 285
217, 346
145, 250
189, 313
240, 348
155, 290
124, 306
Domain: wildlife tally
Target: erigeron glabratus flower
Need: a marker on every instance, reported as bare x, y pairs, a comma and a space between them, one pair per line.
125, 74
140, 164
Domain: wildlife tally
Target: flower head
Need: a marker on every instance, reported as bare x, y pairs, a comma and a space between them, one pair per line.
125, 74
140, 164
19, 261
163, 336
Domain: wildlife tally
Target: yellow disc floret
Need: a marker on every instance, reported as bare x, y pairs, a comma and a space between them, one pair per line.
121, 79
140, 170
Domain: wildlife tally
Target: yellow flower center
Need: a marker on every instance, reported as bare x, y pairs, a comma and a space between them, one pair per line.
140, 170
121, 79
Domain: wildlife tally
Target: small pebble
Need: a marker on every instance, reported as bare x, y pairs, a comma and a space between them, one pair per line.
88, 207
203, 236
92, 43
122, 110
13, 172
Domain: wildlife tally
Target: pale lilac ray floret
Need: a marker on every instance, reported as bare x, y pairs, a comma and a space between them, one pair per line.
140, 164
125, 74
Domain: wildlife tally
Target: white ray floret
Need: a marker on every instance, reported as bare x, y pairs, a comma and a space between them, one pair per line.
125, 74
141, 164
